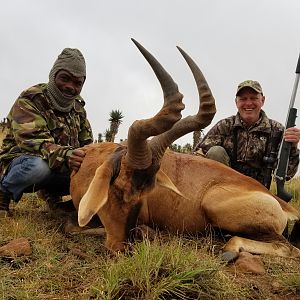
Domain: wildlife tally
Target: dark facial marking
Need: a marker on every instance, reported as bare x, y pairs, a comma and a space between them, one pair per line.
131, 221
142, 179
116, 158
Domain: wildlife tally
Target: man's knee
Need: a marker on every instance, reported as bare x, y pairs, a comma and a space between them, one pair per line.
37, 168
219, 154
24, 172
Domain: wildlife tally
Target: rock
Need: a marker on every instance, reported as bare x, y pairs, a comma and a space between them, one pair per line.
248, 263
4, 214
229, 256
17, 247
276, 286
79, 253
143, 232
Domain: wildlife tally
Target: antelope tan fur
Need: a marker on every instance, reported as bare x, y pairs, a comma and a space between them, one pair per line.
144, 183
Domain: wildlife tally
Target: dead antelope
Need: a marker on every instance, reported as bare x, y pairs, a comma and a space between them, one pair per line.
146, 183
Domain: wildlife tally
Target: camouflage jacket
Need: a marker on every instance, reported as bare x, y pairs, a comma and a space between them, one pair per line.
247, 147
35, 129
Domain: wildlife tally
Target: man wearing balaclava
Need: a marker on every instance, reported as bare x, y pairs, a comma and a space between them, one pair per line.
47, 125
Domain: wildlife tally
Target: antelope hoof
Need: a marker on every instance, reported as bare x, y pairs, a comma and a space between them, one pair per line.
229, 256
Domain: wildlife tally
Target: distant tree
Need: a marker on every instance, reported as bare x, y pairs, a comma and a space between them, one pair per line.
115, 119
187, 148
3, 122
175, 147
3, 125
100, 138
108, 135
197, 137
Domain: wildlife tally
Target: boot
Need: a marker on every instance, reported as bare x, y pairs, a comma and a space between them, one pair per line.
49, 198
4, 204
55, 202
295, 235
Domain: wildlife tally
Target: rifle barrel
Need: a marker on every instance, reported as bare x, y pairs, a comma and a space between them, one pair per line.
285, 147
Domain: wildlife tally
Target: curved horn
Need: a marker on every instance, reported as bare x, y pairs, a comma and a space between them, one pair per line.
203, 118
167, 83
207, 108
139, 155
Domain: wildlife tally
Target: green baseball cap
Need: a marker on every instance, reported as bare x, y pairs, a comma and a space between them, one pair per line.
251, 84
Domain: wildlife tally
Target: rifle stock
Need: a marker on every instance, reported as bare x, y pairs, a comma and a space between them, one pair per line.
285, 149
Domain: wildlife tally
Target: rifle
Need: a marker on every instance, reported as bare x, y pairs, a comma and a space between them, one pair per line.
270, 160
285, 147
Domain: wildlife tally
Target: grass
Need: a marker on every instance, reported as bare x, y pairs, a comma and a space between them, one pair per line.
167, 267
292, 187
165, 271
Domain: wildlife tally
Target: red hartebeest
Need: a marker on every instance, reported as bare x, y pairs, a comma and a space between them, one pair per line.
146, 183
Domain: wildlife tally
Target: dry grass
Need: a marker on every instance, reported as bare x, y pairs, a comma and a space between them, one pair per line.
79, 267
293, 187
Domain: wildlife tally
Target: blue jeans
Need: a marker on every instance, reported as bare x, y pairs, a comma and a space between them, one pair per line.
28, 174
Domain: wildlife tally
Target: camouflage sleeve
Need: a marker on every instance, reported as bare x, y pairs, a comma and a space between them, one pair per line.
56, 155
32, 135
214, 137
293, 163
85, 134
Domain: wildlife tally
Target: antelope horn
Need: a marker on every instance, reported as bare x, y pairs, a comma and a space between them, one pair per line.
167, 83
188, 124
139, 154
207, 108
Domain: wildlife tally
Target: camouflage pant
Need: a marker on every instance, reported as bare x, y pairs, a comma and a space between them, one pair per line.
219, 154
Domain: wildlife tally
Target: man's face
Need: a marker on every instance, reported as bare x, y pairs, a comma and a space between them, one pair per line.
68, 84
249, 104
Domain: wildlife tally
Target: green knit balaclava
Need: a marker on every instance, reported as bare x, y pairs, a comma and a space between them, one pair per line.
72, 61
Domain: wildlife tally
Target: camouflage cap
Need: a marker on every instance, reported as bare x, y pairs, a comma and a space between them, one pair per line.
251, 84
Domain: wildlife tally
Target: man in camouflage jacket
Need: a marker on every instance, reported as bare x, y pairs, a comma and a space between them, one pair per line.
249, 141
47, 125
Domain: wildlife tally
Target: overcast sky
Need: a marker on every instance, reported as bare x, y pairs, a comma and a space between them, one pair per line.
230, 40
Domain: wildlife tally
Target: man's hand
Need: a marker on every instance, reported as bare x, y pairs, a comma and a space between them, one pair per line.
292, 135
75, 159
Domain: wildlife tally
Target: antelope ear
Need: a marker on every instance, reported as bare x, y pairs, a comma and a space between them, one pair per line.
163, 179
96, 195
